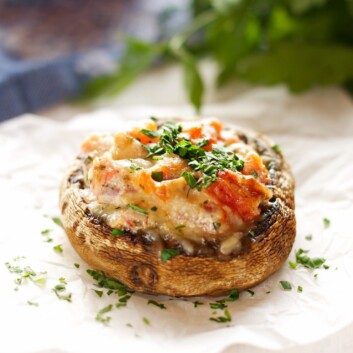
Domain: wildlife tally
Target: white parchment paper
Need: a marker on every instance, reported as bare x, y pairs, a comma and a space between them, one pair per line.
315, 132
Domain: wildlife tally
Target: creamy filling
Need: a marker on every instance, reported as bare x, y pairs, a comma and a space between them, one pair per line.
132, 191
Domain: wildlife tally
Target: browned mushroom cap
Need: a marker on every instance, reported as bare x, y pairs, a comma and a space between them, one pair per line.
134, 264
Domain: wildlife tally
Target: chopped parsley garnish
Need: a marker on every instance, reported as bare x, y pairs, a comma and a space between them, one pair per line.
58, 248
327, 222
99, 293
59, 289
108, 283
254, 174
308, 262
77, 265
150, 133
46, 233
146, 321
157, 176
167, 254
233, 296
26, 272
292, 265
116, 232
100, 315
154, 119
153, 302
190, 180
133, 167
219, 306
179, 227
251, 292
276, 148
88, 160
197, 303
285, 285
222, 319
309, 237
207, 164
251, 234
138, 209
154, 209
300, 289
57, 221
216, 226
29, 302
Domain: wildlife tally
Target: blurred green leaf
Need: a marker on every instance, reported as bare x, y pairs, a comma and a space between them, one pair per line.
193, 81
301, 6
300, 65
138, 57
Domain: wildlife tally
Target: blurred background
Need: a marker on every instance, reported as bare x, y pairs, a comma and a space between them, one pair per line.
52, 51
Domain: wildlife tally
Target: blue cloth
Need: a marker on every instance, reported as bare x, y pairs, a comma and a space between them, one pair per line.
26, 86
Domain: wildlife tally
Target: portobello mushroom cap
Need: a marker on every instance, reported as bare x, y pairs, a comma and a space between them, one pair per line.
132, 261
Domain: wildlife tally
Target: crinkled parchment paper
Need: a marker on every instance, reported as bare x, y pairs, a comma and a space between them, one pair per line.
315, 132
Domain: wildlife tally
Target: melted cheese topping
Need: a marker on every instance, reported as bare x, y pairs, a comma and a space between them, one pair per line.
123, 191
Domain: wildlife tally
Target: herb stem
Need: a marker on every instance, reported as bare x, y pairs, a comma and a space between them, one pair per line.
176, 42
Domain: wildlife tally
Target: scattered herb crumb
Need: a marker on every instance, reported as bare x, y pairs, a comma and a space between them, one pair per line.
316, 275
46, 231
167, 254
216, 226
286, 285
58, 248
77, 265
154, 209
146, 321
306, 261
99, 293
57, 221
116, 232
327, 222
138, 209
222, 319
251, 292
46, 235
300, 289
26, 272
157, 176
197, 303
153, 302
59, 290
251, 234
292, 265
29, 302
100, 315
276, 148
218, 305
181, 226
309, 237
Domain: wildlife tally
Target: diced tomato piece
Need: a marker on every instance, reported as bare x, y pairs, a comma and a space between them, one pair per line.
253, 165
137, 134
242, 194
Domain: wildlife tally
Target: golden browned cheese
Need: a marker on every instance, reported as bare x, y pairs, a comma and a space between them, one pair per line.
210, 262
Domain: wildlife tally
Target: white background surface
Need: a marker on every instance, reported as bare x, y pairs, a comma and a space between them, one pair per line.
315, 132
